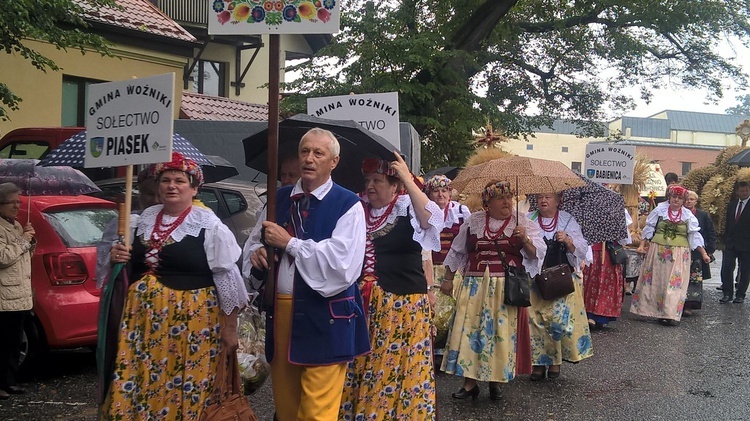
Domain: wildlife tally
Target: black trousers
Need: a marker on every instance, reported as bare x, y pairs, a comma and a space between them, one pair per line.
729, 259
11, 334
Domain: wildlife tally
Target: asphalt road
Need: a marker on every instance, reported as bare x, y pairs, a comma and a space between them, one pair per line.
641, 370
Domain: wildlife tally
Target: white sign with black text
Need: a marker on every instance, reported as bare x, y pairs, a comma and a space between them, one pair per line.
377, 113
609, 163
130, 122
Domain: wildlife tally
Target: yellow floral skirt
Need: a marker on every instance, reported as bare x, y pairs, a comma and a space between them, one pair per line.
482, 339
559, 328
165, 363
396, 381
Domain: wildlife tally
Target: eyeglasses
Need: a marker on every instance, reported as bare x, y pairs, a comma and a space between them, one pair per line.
11, 202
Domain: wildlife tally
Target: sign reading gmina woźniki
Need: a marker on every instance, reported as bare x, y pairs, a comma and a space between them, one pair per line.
609, 163
377, 113
130, 122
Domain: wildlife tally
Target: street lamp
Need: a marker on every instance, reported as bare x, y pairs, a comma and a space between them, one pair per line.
743, 131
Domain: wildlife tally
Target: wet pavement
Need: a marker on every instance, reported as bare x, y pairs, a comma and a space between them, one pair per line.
641, 370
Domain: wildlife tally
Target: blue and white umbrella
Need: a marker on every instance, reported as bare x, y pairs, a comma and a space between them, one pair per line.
72, 151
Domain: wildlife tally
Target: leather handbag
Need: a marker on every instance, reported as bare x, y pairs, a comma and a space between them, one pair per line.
555, 282
617, 253
231, 404
516, 288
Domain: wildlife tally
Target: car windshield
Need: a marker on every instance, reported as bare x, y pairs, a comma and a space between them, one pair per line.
80, 227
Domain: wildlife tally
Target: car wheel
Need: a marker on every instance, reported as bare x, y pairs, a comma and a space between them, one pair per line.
31, 343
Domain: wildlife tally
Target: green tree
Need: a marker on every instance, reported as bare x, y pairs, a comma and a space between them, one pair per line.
520, 63
58, 22
742, 107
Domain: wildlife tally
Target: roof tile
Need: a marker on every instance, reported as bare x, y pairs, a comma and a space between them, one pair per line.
214, 108
139, 15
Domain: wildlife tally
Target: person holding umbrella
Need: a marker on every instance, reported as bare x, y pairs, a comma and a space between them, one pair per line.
17, 244
482, 339
397, 379
558, 327
672, 231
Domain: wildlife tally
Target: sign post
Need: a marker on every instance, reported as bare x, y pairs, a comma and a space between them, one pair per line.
128, 123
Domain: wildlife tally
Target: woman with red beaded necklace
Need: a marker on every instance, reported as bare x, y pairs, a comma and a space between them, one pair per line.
559, 328
672, 231
181, 309
396, 379
482, 340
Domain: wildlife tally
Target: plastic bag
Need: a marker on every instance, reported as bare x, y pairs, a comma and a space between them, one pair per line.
254, 369
443, 315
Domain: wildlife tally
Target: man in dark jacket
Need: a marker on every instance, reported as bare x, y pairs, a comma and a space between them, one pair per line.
736, 245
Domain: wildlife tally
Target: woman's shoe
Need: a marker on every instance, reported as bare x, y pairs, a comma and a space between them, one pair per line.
463, 393
553, 374
495, 393
537, 374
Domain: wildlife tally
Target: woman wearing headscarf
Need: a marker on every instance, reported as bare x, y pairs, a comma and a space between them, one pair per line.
396, 380
182, 307
699, 268
672, 231
482, 339
559, 328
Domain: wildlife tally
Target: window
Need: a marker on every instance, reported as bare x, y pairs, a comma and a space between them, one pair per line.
235, 202
209, 78
686, 167
565, 149
74, 93
575, 166
529, 147
210, 198
80, 227
25, 150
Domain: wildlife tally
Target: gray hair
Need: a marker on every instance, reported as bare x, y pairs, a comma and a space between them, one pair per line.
334, 147
692, 193
6, 189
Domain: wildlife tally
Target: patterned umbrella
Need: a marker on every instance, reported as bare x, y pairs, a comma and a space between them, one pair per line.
531, 175
72, 152
37, 181
598, 210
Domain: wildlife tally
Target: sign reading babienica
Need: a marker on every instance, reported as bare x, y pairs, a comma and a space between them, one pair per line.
130, 122
242, 17
610, 163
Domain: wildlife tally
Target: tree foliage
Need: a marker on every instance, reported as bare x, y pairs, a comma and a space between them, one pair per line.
57, 22
742, 107
520, 63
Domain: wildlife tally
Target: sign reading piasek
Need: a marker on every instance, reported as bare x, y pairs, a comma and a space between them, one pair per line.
610, 163
130, 122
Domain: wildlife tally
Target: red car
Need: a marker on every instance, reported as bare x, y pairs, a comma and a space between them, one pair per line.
63, 270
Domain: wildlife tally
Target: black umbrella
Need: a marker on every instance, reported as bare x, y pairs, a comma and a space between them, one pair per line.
356, 144
742, 159
220, 170
450, 172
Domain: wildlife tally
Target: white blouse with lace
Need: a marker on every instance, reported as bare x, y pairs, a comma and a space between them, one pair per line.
428, 238
455, 212
222, 251
695, 239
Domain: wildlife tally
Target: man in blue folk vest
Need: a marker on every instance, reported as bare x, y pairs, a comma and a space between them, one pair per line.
316, 324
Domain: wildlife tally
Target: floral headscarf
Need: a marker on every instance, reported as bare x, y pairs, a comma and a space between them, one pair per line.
435, 182
377, 166
677, 190
496, 189
180, 163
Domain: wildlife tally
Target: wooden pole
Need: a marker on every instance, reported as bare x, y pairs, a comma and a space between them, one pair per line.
272, 157
128, 204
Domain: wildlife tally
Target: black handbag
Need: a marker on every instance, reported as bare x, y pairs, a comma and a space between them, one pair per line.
617, 253
516, 288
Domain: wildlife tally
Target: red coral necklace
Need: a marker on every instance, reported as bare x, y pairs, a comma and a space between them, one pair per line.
552, 224
375, 222
674, 216
489, 233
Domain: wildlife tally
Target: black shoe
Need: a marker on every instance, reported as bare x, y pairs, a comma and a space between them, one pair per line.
3, 395
739, 300
536, 375
553, 374
463, 393
720, 288
495, 393
15, 390
725, 299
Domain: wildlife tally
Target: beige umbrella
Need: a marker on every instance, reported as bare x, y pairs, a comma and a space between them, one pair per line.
530, 175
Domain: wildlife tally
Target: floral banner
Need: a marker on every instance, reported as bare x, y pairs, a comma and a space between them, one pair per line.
248, 17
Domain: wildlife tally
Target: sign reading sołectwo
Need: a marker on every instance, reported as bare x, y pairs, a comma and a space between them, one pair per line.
130, 122
610, 163
377, 113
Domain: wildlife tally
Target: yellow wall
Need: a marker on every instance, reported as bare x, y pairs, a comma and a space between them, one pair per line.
42, 92
549, 146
